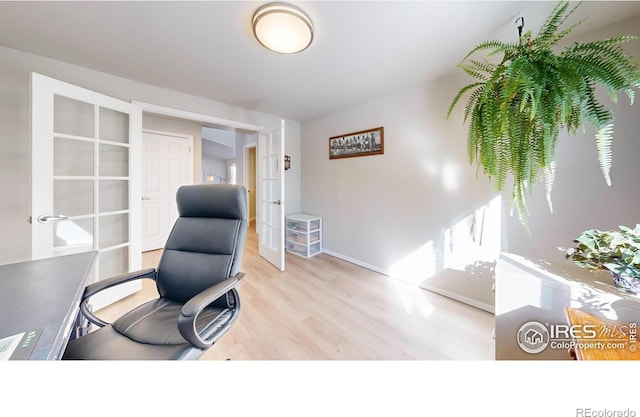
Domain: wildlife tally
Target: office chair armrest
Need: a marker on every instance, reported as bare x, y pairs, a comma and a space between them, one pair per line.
193, 307
96, 287
103, 284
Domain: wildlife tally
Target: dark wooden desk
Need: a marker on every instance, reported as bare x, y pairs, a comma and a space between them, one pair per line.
44, 294
534, 290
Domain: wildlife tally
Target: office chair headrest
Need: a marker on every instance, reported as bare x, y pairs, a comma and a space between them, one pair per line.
226, 201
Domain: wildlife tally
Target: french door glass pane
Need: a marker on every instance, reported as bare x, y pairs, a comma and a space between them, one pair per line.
73, 117
72, 157
114, 161
73, 197
114, 230
77, 232
113, 262
271, 164
114, 125
114, 195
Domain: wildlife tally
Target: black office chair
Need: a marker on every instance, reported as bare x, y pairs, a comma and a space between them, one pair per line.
196, 280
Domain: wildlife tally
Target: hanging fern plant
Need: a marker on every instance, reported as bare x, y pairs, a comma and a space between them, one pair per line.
519, 105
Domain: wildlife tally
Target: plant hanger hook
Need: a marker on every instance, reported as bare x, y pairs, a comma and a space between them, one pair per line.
520, 25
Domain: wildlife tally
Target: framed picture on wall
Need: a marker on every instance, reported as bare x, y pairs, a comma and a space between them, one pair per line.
365, 142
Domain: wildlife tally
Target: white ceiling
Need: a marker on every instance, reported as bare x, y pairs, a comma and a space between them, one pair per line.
361, 49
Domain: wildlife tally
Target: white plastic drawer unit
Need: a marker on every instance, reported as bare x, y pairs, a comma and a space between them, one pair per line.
304, 235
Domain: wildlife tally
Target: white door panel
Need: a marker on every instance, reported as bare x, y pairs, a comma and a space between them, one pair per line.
167, 164
85, 180
271, 197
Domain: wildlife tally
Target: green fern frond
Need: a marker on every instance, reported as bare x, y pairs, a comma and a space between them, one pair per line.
473, 99
493, 45
460, 94
603, 143
473, 71
549, 179
484, 66
519, 200
552, 23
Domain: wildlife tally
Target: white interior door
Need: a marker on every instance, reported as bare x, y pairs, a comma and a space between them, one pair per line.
271, 196
86, 179
166, 165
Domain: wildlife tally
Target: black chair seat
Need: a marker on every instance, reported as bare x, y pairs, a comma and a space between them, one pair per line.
196, 281
148, 332
107, 343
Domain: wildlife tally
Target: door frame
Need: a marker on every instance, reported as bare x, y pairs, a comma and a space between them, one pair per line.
206, 119
212, 120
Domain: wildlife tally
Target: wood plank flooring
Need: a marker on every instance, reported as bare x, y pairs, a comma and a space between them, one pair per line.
324, 308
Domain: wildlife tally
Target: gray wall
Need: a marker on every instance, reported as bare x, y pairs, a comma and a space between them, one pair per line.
214, 165
215, 157
15, 140
378, 210
15, 162
292, 180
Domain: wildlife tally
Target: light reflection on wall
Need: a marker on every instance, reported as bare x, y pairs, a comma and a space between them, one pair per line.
476, 237
446, 171
68, 233
417, 265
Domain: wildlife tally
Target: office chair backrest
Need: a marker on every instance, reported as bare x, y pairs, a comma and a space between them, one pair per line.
206, 243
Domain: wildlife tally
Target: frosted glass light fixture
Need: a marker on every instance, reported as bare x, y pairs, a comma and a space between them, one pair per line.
282, 28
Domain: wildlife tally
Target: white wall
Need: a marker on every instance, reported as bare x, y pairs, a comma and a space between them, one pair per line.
380, 210
15, 140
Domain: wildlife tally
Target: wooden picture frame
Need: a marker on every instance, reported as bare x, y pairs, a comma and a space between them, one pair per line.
362, 143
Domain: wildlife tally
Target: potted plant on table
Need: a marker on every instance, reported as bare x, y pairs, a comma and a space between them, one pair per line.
617, 251
529, 93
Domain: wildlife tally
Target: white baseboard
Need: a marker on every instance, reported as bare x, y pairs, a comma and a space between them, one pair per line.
466, 300
461, 298
355, 261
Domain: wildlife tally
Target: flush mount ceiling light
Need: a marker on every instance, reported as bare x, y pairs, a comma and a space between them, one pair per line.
282, 28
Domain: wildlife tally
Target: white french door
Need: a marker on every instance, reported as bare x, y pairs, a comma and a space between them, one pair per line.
166, 165
271, 196
86, 179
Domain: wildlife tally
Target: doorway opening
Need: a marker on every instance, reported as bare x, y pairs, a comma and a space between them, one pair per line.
250, 175
269, 190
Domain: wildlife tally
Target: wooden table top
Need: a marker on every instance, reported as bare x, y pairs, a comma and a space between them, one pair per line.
602, 339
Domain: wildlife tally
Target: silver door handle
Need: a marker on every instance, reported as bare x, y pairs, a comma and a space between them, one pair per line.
278, 202
146, 198
45, 218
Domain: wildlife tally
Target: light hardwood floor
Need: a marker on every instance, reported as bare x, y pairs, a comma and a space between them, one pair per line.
324, 308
